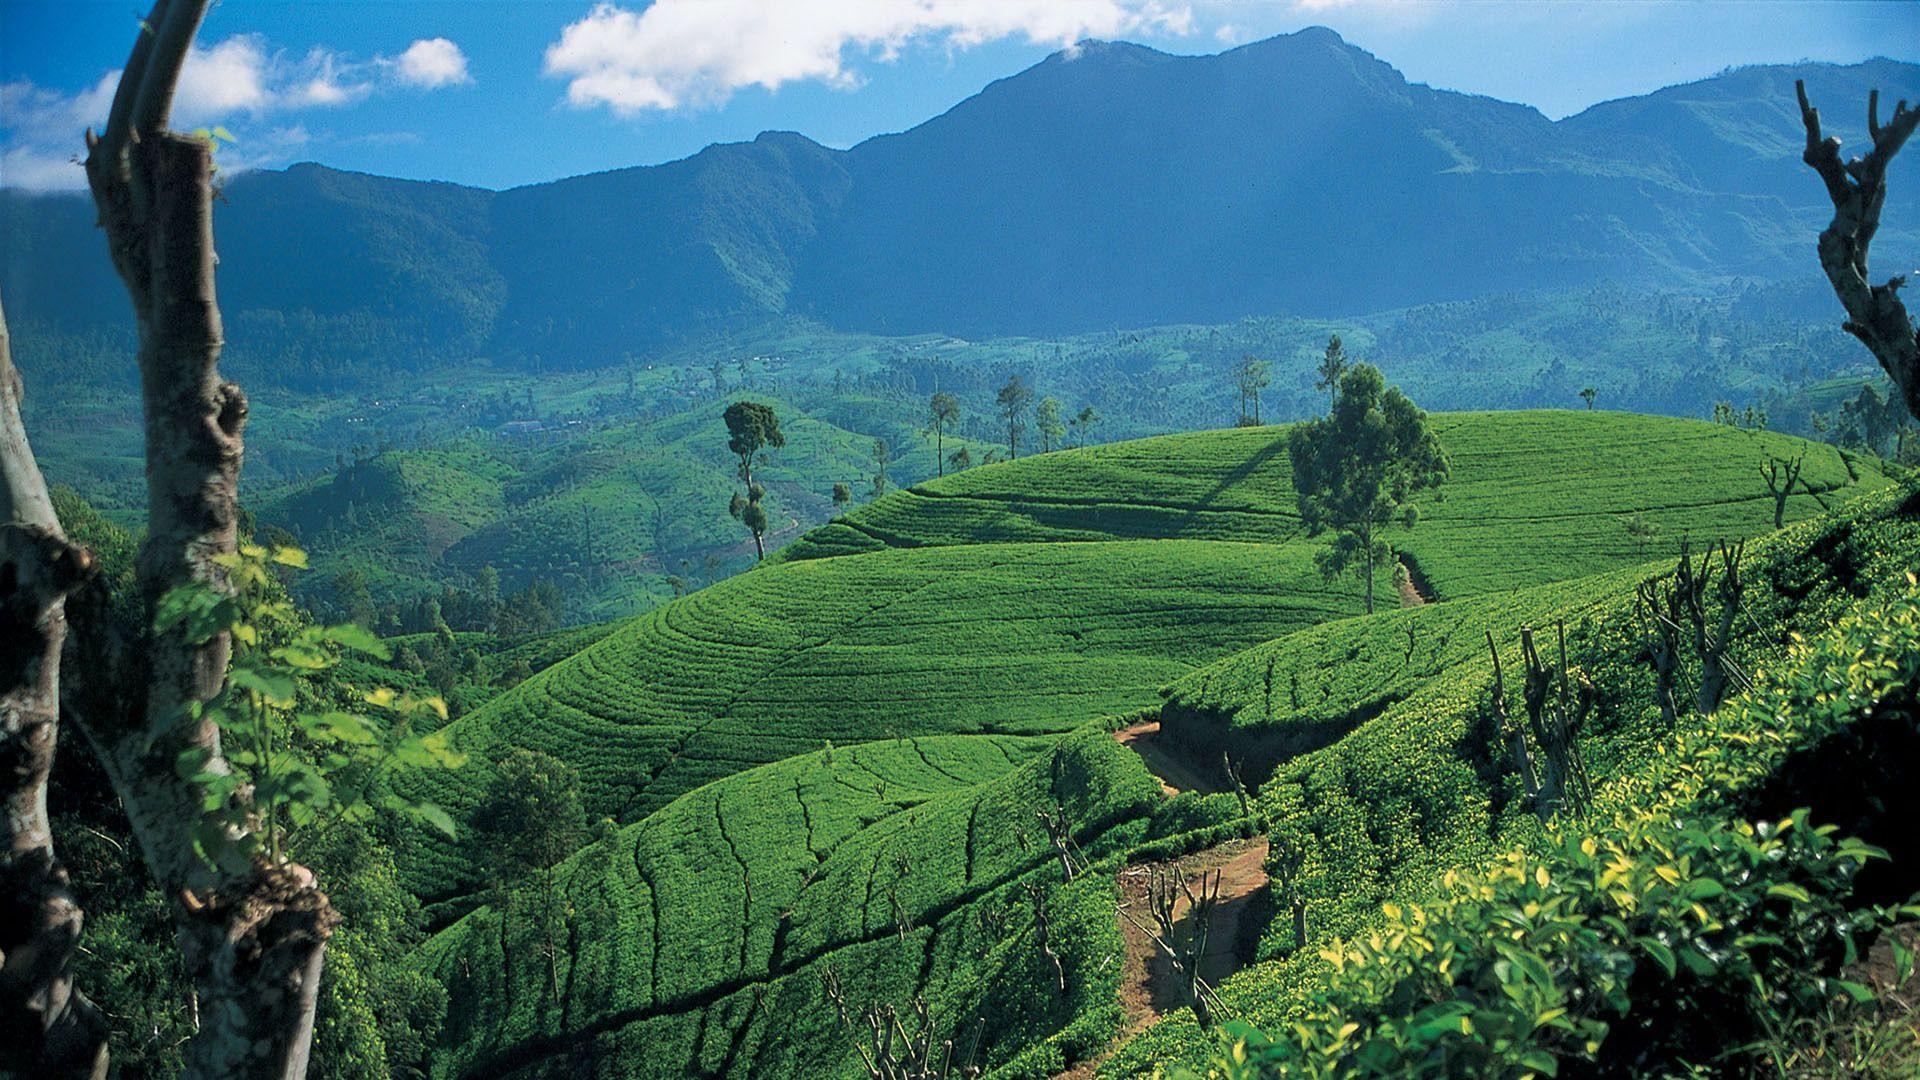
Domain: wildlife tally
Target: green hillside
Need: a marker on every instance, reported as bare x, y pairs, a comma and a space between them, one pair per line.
695, 940
1412, 784
976, 618
1002, 614
1536, 496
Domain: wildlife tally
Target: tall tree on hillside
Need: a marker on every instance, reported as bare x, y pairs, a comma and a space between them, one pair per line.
1013, 399
1046, 421
1357, 471
1587, 394
1333, 365
842, 495
1251, 378
960, 460
251, 923
943, 411
1858, 190
751, 428
1084, 424
880, 454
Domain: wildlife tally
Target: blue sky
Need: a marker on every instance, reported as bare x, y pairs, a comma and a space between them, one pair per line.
497, 94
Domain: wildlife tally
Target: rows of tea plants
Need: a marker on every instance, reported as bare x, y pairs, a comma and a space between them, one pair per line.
1422, 788
1308, 689
900, 865
1007, 638
1534, 496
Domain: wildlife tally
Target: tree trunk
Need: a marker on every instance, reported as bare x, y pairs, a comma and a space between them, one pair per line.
252, 936
939, 451
1858, 190
759, 550
47, 1027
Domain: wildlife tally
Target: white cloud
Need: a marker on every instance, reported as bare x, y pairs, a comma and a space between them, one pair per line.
37, 169
239, 78
698, 52
433, 62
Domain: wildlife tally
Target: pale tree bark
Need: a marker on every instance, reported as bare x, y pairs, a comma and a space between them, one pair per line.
47, 1027
1858, 189
252, 935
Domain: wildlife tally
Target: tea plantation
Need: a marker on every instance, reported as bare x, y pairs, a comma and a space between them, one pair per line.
1413, 785
1534, 497
835, 763
702, 933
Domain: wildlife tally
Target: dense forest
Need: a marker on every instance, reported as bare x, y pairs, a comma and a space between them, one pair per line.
421, 658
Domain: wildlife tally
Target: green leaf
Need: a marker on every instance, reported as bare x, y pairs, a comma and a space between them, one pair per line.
1660, 953
1791, 892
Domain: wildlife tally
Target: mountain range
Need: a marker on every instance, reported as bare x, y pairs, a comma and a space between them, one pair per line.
1109, 185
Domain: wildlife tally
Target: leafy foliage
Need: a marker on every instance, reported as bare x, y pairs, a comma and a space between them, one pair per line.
1359, 469
291, 769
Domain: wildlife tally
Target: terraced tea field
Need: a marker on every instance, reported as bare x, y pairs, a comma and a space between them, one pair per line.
1021, 638
947, 642
1534, 497
701, 933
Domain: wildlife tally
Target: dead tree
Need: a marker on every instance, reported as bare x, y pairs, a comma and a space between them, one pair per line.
251, 930
888, 1050
1781, 474
1289, 861
1512, 735
1545, 749
47, 1027
1043, 933
1858, 189
1239, 784
1185, 952
1659, 609
1060, 835
1712, 630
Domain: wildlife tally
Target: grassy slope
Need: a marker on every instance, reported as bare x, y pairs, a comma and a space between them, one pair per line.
971, 624
1536, 496
1414, 789
1018, 636
876, 861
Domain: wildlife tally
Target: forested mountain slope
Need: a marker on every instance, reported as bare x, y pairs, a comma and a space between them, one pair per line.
1108, 185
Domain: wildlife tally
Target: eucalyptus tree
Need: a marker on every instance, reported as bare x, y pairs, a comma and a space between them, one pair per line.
943, 411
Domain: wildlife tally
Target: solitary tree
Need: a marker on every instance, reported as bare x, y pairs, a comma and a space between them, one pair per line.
960, 459
1588, 394
1013, 399
1357, 471
1781, 474
1046, 421
1084, 424
1332, 366
842, 495
1858, 190
1250, 378
880, 452
751, 428
943, 411
1640, 530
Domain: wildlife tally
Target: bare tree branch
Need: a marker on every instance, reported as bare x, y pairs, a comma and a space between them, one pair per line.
1858, 190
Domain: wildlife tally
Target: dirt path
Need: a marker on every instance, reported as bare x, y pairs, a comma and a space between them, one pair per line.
1176, 773
1410, 594
1148, 987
